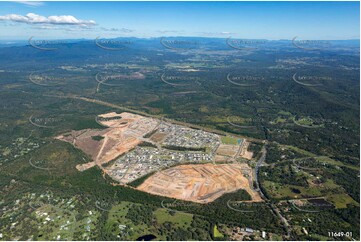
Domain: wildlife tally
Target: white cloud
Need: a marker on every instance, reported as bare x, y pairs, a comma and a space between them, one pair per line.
32, 18
31, 3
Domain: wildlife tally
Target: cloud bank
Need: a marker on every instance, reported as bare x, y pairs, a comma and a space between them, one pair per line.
32, 18
31, 3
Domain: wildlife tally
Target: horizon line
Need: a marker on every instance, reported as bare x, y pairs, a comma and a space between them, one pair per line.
163, 36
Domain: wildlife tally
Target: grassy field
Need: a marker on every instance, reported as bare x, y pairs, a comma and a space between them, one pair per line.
301, 151
279, 120
341, 200
329, 191
285, 191
180, 219
228, 140
304, 121
335, 162
122, 227
216, 232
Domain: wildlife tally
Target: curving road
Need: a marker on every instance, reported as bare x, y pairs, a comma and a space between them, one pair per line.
272, 206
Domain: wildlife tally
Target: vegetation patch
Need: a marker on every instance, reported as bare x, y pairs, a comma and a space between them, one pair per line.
217, 233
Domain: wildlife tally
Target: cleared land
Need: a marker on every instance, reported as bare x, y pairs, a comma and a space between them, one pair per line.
245, 153
227, 150
117, 151
201, 183
231, 149
124, 133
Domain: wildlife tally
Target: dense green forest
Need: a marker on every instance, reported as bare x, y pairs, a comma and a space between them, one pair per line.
312, 133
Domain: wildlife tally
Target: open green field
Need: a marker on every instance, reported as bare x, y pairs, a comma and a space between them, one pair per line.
281, 191
341, 200
122, 227
330, 191
335, 162
228, 140
216, 232
180, 219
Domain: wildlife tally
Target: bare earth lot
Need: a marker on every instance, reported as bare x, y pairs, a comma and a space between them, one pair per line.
124, 132
201, 183
114, 149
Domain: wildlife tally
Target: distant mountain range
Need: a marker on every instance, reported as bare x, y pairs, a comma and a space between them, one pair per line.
200, 40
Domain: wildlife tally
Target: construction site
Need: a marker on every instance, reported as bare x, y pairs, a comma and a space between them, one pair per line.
201, 183
131, 146
122, 133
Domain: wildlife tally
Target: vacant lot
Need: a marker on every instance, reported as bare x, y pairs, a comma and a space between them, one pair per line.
228, 150
180, 219
124, 132
201, 183
230, 140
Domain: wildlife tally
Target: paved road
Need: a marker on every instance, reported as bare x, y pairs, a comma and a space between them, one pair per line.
256, 170
272, 206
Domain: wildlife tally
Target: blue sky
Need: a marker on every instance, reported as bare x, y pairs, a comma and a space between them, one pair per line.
258, 20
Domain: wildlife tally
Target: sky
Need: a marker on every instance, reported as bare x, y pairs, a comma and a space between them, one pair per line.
249, 20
